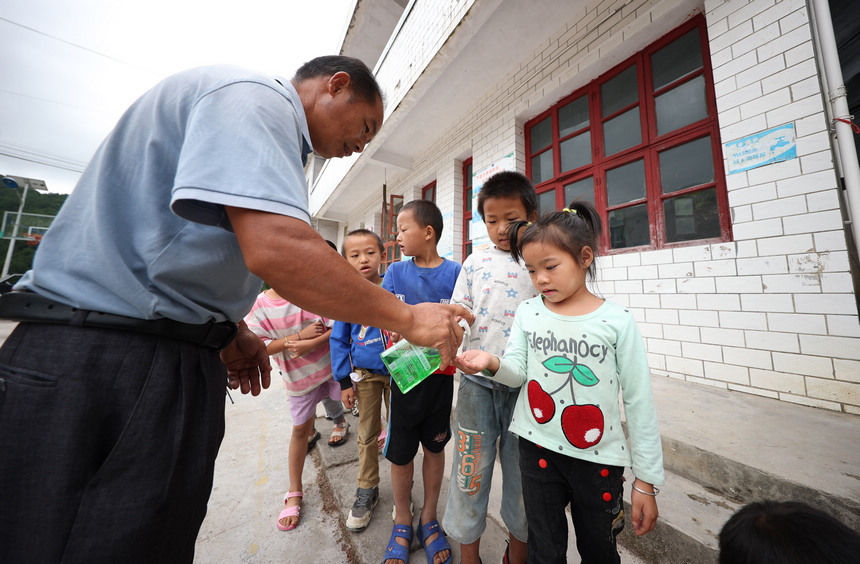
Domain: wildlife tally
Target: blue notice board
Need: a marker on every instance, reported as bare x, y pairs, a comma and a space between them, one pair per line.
771, 146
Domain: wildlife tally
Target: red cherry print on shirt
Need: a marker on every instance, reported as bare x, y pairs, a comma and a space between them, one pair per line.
607, 496
540, 403
604, 473
582, 425
542, 463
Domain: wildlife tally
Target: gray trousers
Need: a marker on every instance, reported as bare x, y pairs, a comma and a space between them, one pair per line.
107, 444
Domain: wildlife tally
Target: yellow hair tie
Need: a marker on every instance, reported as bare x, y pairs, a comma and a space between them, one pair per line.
528, 224
569, 211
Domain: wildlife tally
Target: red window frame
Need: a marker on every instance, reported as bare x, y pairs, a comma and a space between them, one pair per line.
648, 150
429, 192
391, 250
467, 206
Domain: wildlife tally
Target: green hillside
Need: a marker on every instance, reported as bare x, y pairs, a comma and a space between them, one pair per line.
37, 202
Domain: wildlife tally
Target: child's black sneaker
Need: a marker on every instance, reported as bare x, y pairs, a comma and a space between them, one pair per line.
362, 510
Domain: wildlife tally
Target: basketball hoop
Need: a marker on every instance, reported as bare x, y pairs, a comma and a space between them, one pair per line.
34, 240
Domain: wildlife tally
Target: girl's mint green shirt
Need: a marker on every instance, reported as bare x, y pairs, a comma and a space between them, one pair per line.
571, 369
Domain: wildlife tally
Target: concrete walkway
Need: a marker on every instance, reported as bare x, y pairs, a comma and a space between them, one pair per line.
803, 449
251, 477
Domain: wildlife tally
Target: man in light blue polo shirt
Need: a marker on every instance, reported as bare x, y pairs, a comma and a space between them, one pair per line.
111, 388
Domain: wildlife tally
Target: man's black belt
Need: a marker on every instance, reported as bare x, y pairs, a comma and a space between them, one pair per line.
31, 307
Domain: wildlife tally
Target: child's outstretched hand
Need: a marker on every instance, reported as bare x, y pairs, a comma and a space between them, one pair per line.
644, 509
298, 348
315, 329
474, 361
347, 397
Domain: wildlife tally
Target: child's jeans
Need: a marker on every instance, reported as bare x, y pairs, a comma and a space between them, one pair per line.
482, 418
551, 481
333, 409
372, 391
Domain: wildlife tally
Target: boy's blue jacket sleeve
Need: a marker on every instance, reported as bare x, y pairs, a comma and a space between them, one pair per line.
340, 343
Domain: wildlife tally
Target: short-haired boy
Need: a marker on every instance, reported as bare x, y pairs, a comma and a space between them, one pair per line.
492, 285
355, 351
423, 415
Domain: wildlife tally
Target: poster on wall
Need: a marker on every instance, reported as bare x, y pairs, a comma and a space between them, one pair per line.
445, 248
480, 239
772, 146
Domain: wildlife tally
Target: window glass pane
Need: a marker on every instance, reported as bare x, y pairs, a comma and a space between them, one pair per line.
468, 249
619, 91
686, 165
625, 183
692, 216
681, 106
681, 57
576, 151
546, 202
629, 227
542, 167
580, 190
573, 116
468, 173
622, 132
541, 134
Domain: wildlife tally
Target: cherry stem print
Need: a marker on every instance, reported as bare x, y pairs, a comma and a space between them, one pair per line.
579, 372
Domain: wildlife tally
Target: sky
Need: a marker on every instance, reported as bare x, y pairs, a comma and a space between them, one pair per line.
68, 69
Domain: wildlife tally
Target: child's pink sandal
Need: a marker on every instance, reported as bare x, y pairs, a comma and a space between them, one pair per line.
291, 511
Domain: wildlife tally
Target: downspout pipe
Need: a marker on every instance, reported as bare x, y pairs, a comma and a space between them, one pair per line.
836, 94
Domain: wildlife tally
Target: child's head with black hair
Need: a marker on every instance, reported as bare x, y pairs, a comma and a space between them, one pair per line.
425, 214
505, 198
364, 249
362, 232
787, 532
419, 227
575, 230
558, 251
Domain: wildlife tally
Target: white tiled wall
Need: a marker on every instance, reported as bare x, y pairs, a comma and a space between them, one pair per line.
770, 313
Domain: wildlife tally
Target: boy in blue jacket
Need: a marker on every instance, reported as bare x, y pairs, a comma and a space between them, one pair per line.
356, 365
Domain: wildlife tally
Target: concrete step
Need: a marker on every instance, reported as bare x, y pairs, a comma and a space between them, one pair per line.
688, 527
724, 449
747, 448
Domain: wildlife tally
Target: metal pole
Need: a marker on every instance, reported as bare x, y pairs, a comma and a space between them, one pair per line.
11, 248
839, 103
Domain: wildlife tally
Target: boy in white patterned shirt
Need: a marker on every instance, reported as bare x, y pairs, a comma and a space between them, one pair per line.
492, 285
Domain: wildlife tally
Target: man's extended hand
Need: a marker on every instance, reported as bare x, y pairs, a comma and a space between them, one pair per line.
247, 362
436, 325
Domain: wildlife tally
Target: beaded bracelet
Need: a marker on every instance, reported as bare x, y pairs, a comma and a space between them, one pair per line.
656, 491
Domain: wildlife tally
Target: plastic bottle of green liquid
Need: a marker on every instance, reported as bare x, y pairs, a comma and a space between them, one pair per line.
410, 364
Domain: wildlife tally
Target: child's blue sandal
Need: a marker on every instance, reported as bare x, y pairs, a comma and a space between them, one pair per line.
396, 551
437, 545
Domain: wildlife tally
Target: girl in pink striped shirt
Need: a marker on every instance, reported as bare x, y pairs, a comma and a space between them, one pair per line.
298, 342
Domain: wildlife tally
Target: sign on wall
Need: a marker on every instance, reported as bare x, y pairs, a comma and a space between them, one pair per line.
480, 239
767, 147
